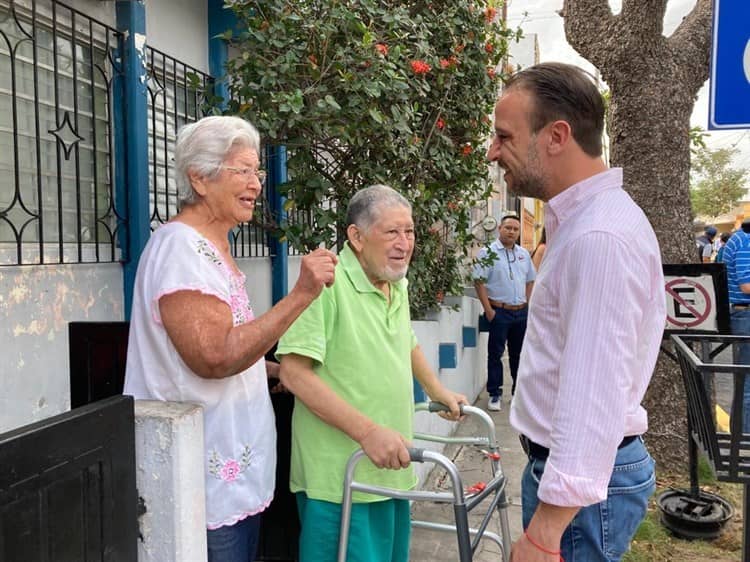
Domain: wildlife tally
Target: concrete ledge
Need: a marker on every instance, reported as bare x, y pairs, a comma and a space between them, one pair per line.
169, 476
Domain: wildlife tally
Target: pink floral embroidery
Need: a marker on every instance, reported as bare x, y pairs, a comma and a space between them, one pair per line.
241, 311
230, 470
238, 301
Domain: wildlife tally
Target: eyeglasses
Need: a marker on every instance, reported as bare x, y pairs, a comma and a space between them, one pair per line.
510, 261
247, 173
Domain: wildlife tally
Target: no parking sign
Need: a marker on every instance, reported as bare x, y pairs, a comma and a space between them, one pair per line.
697, 298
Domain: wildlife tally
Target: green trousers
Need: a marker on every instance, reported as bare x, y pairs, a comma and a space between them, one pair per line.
379, 531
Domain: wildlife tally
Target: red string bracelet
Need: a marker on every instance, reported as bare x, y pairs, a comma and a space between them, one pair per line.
540, 547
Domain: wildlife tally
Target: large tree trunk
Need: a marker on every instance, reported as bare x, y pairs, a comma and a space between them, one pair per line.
653, 82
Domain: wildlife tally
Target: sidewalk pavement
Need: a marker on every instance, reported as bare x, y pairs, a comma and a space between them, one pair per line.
436, 546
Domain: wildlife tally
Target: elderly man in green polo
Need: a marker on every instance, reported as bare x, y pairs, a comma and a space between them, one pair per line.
349, 360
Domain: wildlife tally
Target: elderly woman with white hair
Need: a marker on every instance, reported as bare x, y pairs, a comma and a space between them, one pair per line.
193, 335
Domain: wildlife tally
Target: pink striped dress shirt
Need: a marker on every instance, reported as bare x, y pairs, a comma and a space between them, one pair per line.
596, 317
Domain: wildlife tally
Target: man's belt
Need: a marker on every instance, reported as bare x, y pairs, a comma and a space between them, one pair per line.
498, 304
741, 306
538, 452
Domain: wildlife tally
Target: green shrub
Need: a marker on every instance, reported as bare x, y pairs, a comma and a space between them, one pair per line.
364, 92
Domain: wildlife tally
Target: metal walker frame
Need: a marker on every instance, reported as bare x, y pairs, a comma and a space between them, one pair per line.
462, 504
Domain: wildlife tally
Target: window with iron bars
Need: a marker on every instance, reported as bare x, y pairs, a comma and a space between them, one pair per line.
56, 138
174, 102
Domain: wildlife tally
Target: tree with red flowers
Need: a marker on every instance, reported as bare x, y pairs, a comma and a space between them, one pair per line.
364, 92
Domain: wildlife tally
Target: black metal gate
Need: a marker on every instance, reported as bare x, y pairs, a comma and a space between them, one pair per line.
97, 367
67, 487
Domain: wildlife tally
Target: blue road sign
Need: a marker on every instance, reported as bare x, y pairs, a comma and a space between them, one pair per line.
730, 66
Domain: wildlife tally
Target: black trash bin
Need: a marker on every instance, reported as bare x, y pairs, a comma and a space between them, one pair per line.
714, 369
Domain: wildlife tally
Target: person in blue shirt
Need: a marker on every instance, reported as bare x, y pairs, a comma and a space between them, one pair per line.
724, 239
705, 244
736, 257
503, 277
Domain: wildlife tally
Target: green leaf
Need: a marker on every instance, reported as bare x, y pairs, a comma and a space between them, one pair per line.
332, 102
376, 115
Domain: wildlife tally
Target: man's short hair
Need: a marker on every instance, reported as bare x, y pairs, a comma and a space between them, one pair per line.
364, 204
507, 216
564, 92
710, 230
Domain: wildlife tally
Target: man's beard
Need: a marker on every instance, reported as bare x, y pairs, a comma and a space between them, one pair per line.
531, 181
394, 276
528, 185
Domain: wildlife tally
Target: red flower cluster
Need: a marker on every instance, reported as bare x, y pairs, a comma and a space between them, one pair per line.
452, 206
489, 15
440, 124
420, 67
382, 48
489, 47
491, 73
450, 62
466, 150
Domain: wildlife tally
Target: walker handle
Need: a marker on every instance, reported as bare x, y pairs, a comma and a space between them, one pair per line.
416, 454
440, 407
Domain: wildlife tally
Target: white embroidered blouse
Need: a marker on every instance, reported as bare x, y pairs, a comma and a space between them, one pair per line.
239, 428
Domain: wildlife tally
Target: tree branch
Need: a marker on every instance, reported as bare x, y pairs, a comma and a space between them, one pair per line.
649, 14
690, 43
587, 24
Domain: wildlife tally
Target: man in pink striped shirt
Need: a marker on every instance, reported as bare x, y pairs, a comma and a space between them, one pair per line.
595, 322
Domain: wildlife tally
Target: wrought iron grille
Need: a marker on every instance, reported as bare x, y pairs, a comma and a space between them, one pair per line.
176, 100
328, 168
172, 103
251, 239
57, 202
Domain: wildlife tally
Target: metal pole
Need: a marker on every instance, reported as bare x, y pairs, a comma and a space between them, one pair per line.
277, 168
462, 532
746, 526
693, 462
131, 85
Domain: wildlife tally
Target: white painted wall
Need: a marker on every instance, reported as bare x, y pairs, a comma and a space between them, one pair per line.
294, 264
260, 280
103, 12
467, 378
179, 28
36, 304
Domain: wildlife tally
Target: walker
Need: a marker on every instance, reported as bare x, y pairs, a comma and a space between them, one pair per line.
462, 503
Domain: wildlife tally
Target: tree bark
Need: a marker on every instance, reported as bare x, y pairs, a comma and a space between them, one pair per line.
653, 82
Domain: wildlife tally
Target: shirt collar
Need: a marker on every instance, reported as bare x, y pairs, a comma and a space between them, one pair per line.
497, 245
566, 203
357, 275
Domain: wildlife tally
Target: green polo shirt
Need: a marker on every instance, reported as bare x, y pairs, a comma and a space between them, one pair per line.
361, 347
